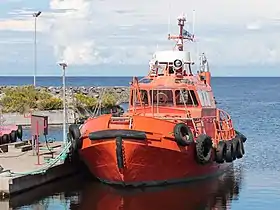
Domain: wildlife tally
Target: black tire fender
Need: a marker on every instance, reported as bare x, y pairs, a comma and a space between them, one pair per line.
183, 135
241, 136
203, 148
75, 137
13, 136
239, 148
234, 145
19, 132
229, 151
5, 139
220, 152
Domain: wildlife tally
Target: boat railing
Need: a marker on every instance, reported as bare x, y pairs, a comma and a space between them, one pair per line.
128, 120
224, 126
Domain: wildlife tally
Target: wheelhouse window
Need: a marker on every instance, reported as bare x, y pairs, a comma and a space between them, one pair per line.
162, 97
134, 97
185, 97
205, 98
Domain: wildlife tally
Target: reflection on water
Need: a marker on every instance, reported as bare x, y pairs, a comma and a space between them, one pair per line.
208, 194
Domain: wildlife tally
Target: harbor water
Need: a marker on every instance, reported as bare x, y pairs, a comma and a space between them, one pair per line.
251, 183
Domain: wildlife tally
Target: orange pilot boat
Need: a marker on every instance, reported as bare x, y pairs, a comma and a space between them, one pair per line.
172, 132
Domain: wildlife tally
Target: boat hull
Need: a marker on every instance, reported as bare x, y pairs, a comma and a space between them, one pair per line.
130, 162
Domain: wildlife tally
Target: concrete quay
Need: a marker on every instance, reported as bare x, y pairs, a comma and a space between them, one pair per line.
19, 158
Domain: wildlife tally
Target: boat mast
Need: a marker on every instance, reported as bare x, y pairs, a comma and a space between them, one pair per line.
183, 34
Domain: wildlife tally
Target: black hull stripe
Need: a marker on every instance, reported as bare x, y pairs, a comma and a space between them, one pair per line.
164, 182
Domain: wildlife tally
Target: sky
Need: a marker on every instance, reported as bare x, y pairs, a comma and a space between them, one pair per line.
118, 38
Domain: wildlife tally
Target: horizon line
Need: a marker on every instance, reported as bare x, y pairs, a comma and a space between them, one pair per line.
132, 76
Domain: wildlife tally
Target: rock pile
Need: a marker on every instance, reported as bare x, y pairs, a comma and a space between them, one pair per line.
121, 93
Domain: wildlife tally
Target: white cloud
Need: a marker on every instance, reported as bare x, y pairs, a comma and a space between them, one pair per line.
254, 26
92, 31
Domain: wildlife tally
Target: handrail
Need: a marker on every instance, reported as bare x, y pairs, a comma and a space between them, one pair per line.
224, 129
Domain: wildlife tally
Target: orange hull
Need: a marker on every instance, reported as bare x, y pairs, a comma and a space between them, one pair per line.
144, 164
146, 154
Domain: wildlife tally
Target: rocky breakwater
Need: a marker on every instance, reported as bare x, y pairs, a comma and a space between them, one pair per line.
121, 93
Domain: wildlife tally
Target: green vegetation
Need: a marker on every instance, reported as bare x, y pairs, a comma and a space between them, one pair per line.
108, 100
22, 99
84, 101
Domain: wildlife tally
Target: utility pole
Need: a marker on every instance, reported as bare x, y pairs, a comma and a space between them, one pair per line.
64, 65
35, 15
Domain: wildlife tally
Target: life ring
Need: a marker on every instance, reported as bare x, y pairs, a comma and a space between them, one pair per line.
203, 148
240, 151
241, 136
220, 152
13, 136
177, 63
74, 137
19, 132
183, 135
162, 97
229, 151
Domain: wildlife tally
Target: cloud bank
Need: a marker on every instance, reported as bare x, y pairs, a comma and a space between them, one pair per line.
90, 32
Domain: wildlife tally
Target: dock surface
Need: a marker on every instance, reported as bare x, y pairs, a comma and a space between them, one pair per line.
20, 170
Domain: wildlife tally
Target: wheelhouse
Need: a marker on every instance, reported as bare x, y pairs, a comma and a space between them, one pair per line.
171, 97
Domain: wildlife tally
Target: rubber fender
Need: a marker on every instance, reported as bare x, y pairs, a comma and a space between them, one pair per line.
114, 133
229, 151
75, 136
5, 139
239, 148
119, 152
241, 136
220, 152
183, 135
13, 136
203, 148
234, 145
19, 132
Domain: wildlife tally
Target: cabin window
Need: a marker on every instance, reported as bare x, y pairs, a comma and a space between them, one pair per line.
162, 97
205, 98
185, 97
211, 99
135, 97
